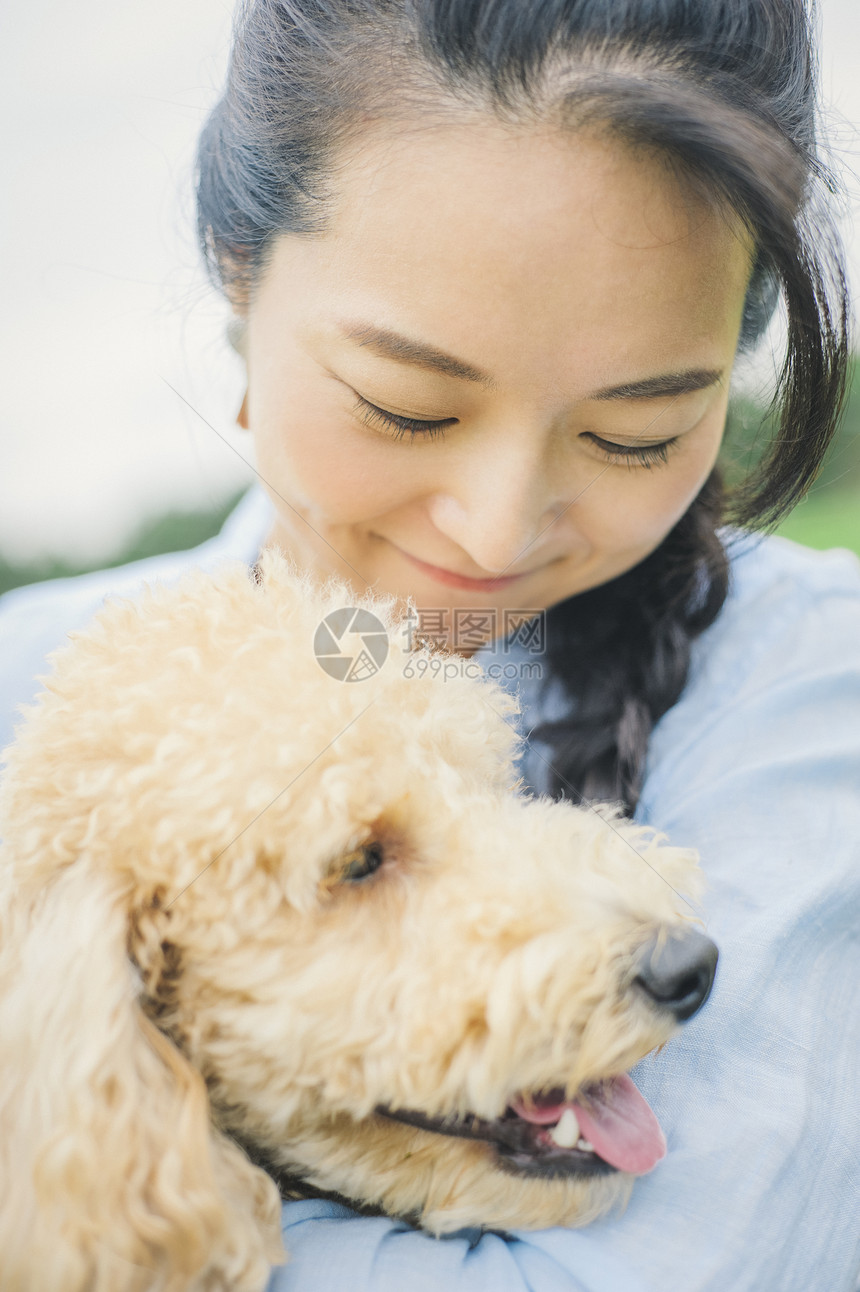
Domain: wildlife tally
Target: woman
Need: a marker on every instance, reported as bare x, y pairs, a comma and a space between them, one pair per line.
491, 264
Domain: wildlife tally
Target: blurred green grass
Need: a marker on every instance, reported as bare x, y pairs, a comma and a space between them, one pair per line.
829, 516
825, 519
172, 532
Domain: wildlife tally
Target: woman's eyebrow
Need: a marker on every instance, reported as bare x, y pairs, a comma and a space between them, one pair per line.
392, 345
670, 383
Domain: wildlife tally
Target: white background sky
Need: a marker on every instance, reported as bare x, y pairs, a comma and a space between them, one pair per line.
103, 298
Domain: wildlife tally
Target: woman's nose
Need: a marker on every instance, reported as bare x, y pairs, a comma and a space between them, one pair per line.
501, 518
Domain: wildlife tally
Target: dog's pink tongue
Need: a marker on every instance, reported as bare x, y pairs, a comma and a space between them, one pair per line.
622, 1127
618, 1122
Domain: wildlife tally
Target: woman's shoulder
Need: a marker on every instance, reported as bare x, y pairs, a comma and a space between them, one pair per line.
35, 619
787, 606
777, 673
778, 568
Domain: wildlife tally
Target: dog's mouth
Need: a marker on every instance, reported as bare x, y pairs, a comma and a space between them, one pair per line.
608, 1127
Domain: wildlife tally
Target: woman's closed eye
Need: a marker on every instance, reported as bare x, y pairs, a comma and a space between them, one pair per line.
646, 455
402, 426
641, 454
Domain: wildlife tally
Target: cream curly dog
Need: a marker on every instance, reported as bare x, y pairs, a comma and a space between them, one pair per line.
256, 917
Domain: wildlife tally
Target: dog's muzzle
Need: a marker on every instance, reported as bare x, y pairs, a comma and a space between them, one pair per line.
609, 1126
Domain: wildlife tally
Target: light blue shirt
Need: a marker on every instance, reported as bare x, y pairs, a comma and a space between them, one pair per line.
757, 766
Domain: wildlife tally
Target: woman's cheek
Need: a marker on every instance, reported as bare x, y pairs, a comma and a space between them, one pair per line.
636, 507
326, 464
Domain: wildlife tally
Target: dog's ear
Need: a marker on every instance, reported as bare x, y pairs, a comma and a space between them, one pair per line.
112, 1178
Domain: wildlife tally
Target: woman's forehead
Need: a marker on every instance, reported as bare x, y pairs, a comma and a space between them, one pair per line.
510, 246
481, 180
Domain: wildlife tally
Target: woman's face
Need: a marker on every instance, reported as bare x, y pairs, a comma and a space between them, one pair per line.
508, 355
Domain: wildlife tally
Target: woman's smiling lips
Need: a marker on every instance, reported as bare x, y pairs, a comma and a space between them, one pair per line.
452, 580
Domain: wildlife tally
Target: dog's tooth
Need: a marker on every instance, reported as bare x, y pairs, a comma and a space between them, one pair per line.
583, 1143
566, 1131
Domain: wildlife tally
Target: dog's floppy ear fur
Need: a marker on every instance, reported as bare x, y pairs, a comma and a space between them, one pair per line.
112, 1178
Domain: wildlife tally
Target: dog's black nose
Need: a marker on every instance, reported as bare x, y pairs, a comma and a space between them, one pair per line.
679, 973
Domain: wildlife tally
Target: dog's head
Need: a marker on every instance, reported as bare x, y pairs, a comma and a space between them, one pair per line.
249, 904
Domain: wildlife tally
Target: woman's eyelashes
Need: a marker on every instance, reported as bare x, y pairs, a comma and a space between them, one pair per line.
370, 414
646, 455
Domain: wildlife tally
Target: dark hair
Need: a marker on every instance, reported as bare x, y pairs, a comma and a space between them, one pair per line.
725, 92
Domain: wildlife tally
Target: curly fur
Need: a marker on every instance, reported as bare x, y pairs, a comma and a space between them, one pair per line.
185, 969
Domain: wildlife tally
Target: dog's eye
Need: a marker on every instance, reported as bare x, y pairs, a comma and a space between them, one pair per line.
361, 863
